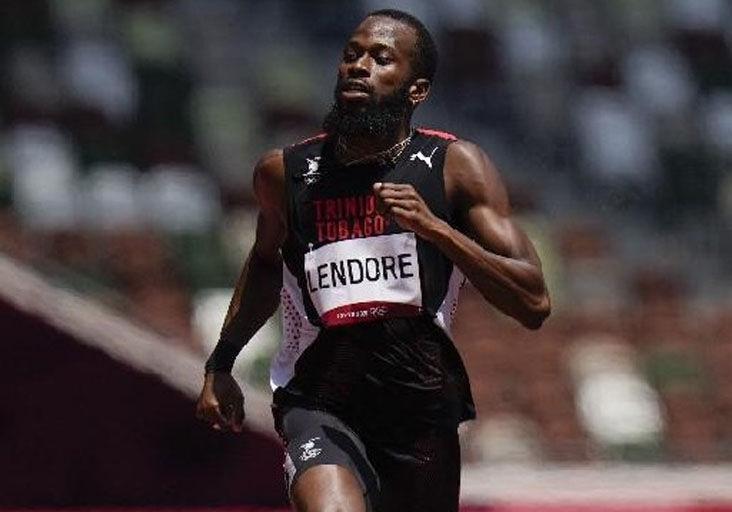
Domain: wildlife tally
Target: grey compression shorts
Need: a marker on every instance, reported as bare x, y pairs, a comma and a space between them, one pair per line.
418, 471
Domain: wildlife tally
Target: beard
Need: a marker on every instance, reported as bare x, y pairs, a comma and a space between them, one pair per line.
380, 117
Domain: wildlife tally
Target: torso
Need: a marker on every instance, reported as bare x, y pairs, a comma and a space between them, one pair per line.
367, 305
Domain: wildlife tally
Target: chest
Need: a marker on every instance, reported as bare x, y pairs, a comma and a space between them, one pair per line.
341, 204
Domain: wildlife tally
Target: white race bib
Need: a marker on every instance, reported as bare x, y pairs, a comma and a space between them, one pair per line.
365, 279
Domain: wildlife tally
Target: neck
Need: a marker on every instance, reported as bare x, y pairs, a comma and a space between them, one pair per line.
363, 146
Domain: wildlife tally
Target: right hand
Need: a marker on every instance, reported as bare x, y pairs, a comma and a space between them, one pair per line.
221, 403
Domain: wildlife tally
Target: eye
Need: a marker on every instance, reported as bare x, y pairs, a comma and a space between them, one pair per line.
349, 55
383, 59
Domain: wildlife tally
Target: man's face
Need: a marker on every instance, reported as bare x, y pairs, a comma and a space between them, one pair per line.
376, 61
372, 90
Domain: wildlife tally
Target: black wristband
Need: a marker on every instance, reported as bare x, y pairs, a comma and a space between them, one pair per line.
222, 358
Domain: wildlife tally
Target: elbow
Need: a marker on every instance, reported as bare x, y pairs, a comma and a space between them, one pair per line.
537, 311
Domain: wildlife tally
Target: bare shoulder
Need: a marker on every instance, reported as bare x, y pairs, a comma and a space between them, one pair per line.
471, 178
270, 167
269, 178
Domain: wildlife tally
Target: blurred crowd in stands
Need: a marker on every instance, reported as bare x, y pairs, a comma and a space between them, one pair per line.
129, 128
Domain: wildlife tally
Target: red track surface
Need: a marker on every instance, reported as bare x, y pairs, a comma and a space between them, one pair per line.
499, 508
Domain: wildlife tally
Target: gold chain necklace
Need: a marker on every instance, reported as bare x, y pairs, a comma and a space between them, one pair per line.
386, 156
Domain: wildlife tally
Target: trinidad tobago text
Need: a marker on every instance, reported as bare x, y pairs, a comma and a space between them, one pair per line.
343, 218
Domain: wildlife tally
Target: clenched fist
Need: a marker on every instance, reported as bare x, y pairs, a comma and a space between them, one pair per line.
221, 403
404, 204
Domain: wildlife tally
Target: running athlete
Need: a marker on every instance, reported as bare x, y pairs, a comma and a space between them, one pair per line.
364, 236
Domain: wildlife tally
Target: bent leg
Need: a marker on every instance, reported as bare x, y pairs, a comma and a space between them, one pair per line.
326, 466
328, 488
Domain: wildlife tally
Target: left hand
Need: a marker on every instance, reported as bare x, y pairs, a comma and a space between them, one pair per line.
404, 204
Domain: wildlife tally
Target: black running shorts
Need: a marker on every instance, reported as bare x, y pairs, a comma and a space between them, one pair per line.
399, 471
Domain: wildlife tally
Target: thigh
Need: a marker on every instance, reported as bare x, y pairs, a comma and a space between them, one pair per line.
420, 473
328, 487
325, 462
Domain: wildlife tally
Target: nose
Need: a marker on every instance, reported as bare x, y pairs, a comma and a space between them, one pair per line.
360, 67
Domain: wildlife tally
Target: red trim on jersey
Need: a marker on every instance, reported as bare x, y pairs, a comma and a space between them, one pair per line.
367, 311
311, 139
437, 133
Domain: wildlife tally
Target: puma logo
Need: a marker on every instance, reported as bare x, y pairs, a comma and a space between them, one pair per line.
426, 159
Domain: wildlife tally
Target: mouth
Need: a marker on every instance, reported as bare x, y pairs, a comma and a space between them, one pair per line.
354, 89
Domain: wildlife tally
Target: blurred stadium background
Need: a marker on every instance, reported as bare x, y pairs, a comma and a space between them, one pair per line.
128, 131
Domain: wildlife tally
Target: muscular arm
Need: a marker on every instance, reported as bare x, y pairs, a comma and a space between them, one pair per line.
494, 252
490, 249
221, 402
256, 295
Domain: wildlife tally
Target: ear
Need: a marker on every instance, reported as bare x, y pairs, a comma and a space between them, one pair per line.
419, 91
